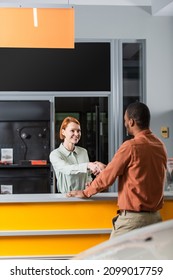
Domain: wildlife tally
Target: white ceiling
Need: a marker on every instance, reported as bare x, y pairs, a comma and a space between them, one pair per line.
158, 7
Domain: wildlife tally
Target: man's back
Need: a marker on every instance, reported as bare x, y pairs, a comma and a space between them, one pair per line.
141, 186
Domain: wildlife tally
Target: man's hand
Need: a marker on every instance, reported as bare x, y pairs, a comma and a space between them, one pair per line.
79, 194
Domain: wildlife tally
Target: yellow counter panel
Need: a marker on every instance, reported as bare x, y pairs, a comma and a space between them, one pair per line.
58, 227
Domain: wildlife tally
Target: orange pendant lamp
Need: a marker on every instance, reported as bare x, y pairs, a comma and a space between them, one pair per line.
37, 27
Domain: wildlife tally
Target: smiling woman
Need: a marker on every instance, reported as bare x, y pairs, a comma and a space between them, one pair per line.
70, 162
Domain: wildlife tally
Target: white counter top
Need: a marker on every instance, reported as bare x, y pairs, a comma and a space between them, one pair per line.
36, 198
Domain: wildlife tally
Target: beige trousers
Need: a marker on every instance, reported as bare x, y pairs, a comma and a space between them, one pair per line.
127, 221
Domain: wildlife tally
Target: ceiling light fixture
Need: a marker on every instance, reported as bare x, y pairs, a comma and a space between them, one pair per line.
35, 17
37, 27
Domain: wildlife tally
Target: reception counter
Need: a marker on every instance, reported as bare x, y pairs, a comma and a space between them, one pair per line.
54, 226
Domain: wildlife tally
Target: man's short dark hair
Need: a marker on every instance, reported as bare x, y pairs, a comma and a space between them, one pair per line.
140, 113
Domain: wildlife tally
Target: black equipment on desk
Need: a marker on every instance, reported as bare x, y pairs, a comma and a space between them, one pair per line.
25, 129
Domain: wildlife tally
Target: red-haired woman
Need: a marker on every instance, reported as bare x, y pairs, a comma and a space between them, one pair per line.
70, 162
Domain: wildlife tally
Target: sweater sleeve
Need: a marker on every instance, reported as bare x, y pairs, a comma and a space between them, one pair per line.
64, 165
114, 169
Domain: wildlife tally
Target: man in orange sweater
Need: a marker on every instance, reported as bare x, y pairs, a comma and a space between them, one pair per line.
140, 165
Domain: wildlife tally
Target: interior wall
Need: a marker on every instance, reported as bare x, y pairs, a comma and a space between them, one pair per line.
110, 22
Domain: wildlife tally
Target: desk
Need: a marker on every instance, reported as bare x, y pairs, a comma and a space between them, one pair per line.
54, 226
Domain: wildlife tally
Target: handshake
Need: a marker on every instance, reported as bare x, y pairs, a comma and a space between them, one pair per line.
96, 167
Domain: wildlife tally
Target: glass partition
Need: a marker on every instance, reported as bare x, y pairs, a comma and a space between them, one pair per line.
132, 74
97, 98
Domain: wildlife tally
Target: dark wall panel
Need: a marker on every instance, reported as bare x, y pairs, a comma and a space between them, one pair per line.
84, 68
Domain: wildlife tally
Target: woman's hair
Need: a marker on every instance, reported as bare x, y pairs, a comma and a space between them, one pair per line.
65, 123
140, 113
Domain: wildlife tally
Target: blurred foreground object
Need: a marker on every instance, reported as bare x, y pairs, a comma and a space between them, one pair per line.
153, 242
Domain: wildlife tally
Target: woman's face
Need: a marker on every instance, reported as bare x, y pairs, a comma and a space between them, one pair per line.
72, 133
